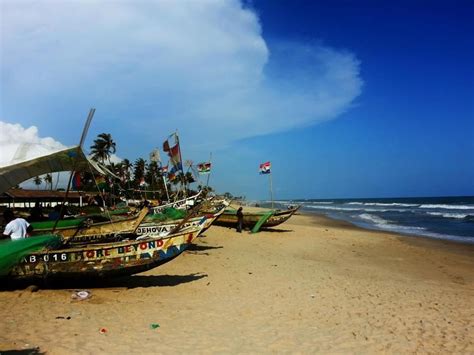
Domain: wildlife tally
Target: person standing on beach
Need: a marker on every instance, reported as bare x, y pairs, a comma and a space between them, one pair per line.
16, 228
240, 220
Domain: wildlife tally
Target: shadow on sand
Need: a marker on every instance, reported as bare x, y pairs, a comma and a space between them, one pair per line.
200, 249
276, 230
128, 282
33, 351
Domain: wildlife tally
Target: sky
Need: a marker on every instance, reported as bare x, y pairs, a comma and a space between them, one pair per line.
346, 99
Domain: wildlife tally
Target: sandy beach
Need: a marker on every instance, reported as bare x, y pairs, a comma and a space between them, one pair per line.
310, 285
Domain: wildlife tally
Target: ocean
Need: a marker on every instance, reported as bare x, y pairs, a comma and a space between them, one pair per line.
449, 218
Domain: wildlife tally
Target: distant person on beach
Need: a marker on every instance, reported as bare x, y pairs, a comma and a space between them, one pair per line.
55, 214
16, 228
36, 213
240, 220
99, 200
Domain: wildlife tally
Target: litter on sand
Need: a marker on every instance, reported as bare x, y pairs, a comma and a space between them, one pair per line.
81, 295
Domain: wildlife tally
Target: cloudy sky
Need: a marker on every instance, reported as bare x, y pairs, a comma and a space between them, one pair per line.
346, 99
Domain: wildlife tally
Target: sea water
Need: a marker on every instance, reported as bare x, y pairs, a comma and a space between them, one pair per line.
450, 218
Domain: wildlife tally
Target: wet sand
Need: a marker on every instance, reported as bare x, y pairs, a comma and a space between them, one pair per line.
310, 285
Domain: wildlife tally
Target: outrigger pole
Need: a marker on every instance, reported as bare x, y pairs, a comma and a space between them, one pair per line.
81, 143
183, 178
209, 175
271, 188
165, 183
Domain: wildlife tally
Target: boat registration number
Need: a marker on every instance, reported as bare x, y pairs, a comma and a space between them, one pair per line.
47, 257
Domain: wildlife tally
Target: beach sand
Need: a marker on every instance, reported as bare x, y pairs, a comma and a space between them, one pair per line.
310, 285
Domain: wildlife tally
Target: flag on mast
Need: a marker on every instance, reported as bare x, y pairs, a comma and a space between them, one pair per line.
174, 153
265, 168
204, 168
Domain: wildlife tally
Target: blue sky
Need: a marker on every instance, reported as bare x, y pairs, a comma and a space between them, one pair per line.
345, 98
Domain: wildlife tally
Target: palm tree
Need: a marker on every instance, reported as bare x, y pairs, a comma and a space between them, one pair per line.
126, 167
103, 147
48, 179
37, 180
139, 171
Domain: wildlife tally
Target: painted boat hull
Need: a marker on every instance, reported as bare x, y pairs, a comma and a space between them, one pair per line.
103, 260
229, 218
154, 229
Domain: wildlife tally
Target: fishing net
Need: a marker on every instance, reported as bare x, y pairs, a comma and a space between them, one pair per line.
167, 214
11, 251
64, 223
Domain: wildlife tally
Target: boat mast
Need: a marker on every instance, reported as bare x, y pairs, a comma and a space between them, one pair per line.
81, 143
209, 175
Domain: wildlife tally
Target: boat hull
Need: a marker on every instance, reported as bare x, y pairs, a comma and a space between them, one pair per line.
103, 260
229, 218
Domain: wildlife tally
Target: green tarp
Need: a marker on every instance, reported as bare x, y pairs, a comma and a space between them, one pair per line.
11, 251
167, 214
64, 223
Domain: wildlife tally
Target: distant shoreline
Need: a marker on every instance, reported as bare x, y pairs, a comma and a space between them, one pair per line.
420, 240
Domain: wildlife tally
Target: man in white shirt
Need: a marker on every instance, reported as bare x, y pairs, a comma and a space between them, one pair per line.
16, 228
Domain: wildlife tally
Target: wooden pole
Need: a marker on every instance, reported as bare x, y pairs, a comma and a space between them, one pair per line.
183, 179
83, 137
209, 175
271, 188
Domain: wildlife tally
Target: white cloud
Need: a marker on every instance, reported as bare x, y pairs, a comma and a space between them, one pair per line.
150, 67
19, 144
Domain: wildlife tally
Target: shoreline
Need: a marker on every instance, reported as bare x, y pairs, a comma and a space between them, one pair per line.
309, 285
419, 240
349, 224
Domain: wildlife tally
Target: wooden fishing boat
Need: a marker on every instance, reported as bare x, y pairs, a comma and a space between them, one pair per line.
150, 228
120, 258
84, 227
180, 204
212, 212
273, 217
104, 259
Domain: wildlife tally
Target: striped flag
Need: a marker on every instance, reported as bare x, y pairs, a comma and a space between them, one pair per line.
204, 168
265, 168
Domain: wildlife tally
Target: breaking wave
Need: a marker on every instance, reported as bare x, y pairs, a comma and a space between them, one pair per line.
452, 215
383, 204
449, 207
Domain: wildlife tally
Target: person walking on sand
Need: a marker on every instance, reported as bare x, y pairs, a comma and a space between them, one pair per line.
240, 220
16, 228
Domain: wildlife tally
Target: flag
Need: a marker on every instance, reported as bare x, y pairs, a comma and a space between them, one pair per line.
204, 168
164, 170
174, 153
175, 156
142, 182
76, 181
100, 181
265, 168
172, 173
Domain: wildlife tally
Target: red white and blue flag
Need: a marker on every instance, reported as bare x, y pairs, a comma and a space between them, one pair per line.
265, 168
174, 153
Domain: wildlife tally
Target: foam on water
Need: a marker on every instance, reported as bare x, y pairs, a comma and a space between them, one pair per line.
449, 207
383, 204
449, 218
450, 215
